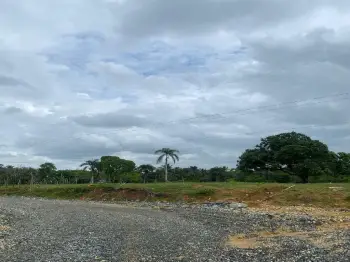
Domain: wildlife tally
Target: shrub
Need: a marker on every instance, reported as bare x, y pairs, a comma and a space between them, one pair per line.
204, 192
205, 179
131, 177
232, 181
241, 175
254, 178
280, 177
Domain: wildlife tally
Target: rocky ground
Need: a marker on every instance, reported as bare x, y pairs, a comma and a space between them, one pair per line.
53, 230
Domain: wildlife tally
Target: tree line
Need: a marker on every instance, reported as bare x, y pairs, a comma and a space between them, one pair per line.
284, 158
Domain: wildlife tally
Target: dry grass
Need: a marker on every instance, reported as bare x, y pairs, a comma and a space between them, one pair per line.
3, 228
326, 214
331, 220
321, 237
242, 241
254, 194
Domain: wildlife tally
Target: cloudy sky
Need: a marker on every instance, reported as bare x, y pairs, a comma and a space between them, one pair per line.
84, 78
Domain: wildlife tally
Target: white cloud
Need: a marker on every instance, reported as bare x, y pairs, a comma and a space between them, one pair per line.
98, 77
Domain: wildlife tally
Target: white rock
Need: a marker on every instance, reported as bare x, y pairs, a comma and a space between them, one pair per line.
238, 205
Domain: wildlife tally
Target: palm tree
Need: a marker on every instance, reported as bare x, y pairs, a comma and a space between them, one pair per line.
92, 165
167, 153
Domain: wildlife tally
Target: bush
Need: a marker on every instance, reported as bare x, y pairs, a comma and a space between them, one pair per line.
240, 175
232, 181
255, 178
320, 179
296, 179
205, 179
204, 192
131, 177
280, 177
345, 179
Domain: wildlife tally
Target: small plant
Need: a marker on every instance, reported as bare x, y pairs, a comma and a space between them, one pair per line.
205, 192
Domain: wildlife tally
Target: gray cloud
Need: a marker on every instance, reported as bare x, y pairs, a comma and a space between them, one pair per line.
292, 69
66, 142
110, 120
10, 81
200, 16
12, 110
71, 149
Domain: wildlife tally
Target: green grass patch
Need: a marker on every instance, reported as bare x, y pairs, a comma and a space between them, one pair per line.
347, 198
203, 192
255, 194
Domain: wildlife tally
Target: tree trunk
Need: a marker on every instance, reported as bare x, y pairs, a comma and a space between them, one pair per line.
92, 178
267, 175
31, 180
98, 176
166, 169
305, 179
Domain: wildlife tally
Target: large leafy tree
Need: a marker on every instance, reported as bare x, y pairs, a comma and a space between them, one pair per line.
166, 154
293, 153
94, 166
47, 172
341, 161
114, 167
3, 174
219, 174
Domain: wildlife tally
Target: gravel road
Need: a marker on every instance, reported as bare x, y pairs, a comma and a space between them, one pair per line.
54, 230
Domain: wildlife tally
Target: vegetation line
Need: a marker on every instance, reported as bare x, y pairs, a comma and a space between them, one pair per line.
283, 158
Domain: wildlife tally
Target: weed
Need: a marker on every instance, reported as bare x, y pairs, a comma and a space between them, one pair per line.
204, 192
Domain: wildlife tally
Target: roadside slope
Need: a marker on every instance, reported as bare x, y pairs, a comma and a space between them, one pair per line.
253, 194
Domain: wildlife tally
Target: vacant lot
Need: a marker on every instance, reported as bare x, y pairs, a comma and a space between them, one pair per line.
284, 222
255, 195
41, 230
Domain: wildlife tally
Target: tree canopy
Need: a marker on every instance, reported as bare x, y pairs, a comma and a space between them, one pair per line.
293, 153
114, 167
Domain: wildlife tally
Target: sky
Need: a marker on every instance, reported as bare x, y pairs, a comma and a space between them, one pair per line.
80, 79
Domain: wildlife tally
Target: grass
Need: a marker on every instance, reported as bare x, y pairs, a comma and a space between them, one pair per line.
254, 194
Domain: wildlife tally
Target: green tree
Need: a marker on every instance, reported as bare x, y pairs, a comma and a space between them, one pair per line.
94, 166
3, 173
130, 177
47, 172
113, 167
343, 164
292, 153
145, 171
220, 174
166, 153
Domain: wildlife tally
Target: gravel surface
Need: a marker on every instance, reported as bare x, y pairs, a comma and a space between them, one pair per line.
56, 230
